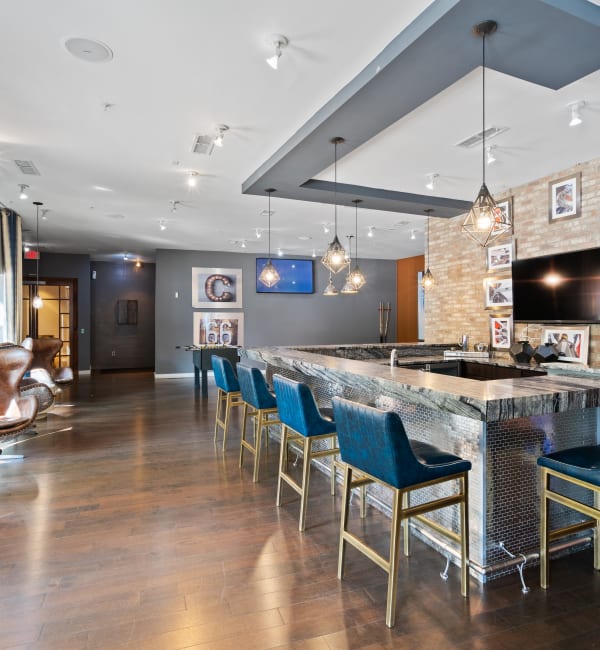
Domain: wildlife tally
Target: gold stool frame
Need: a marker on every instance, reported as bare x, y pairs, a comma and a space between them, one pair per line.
225, 400
401, 510
547, 535
262, 420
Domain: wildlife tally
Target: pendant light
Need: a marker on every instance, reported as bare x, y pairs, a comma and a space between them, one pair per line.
335, 259
485, 221
356, 276
37, 302
427, 281
348, 287
330, 289
269, 275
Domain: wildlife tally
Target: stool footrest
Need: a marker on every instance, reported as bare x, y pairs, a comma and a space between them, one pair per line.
367, 550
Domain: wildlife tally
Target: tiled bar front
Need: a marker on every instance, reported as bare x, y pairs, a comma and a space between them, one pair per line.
452, 414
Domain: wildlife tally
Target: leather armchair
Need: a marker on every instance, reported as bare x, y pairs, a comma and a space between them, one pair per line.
44, 350
14, 363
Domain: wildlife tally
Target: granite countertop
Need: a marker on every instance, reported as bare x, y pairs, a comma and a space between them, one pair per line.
489, 401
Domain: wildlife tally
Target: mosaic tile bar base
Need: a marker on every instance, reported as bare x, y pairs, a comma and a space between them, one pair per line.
503, 484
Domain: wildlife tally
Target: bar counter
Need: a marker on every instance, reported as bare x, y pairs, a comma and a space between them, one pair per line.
501, 426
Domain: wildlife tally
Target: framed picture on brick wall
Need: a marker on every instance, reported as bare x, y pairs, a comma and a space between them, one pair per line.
564, 198
501, 331
498, 293
500, 256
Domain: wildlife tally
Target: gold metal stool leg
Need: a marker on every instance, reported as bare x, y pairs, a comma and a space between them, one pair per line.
305, 482
283, 461
347, 492
464, 536
406, 523
544, 565
392, 590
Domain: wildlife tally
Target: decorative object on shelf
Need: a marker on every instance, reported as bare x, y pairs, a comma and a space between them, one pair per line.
214, 288
500, 257
485, 223
384, 319
545, 353
218, 328
269, 275
498, 293
37, 302
335, 259
571, 343
521, 351
500, 331
356, 275
564, 198
427, 281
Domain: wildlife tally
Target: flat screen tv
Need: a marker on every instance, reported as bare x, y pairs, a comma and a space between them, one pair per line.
296, 276
563, 288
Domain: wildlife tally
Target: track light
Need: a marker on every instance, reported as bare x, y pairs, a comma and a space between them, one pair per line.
258, 232
44, 212
23, 194
162, 224
490, 158
326, 228
314, 252
576, 118
192, 179
243, 243
221, 130
138, 264
371, 232
413, 234
279, 43
280, 252
431, 181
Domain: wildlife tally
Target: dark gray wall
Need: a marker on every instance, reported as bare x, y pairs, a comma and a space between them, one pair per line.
270, 319
117, 346
54, 265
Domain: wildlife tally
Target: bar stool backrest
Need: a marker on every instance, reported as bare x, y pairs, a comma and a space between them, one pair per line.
254, 389
298, 409
225, 378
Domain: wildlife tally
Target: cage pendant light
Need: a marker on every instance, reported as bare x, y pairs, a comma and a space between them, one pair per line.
269, 275
485, 222
37, 302
330, 289
427, 281
356, 276
348, 286
335, 259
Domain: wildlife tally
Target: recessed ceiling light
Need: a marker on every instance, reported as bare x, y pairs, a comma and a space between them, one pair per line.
88, 50
304, 237
100, 188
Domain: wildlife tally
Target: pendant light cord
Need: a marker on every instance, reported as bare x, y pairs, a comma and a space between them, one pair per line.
335, 144
356, 235
37, 261
269, 226
483, 107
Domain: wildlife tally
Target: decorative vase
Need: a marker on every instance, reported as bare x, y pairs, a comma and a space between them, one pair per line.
521, 351
545, 353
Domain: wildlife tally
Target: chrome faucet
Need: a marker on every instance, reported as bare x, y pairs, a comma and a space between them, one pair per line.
393, 357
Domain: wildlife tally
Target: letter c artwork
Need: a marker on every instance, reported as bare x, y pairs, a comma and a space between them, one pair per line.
211, 290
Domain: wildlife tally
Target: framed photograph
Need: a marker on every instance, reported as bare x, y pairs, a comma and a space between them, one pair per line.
571, 343
216, 288
564, 200
505, 207
218, 328
498, 293
500, 257
501, 332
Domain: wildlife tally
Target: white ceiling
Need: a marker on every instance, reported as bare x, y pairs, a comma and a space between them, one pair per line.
180, 68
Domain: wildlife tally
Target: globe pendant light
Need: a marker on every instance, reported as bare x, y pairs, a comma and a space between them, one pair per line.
356, 276
335, 259
37, 302
269, 275
485, 222
348, 286
427, 281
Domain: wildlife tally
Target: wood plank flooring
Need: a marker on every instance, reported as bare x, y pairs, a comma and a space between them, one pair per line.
130, 529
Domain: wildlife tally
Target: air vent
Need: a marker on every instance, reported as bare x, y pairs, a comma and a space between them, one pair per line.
27, 167
477, 138
203, 144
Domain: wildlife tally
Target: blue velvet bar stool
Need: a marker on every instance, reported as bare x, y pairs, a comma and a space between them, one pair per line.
302, 423
374, 444
578, 466
228, 394
260, 405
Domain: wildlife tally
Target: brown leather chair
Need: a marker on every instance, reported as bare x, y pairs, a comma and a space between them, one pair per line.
14, 363
44, 350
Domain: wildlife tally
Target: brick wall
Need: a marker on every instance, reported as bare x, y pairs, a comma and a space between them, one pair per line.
455, 305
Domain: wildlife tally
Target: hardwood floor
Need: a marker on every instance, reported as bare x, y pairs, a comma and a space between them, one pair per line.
130, 529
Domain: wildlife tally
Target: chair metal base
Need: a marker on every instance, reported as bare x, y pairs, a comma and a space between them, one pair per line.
401, 510
288, 436
547, 535
225, 402
263, 419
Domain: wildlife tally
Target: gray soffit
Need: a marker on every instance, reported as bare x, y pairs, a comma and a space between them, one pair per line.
432, 53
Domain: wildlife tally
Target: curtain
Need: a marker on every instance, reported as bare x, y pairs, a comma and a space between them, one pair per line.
11, 276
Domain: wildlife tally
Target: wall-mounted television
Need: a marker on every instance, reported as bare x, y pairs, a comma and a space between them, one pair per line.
562, 288
296, 276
